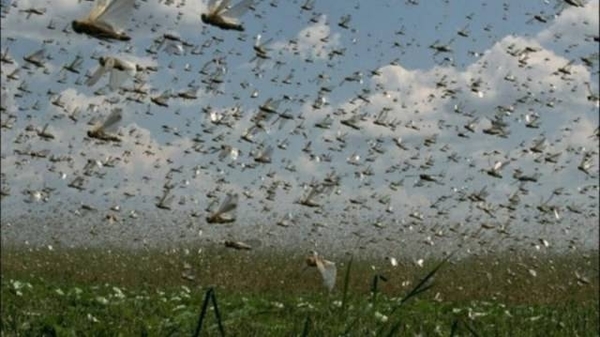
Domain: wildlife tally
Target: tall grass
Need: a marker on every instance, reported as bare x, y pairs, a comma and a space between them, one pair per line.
81, 291
504, 278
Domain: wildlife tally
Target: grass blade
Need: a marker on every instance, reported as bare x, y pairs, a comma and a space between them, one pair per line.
423, 284
375, 287
202, 312
471, 330
217, 313
394, 330
209, 296
350, 327
421, 287
454, 328
346, 284
306, 326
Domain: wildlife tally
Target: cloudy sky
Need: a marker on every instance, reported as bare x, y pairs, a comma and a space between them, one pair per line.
398, 81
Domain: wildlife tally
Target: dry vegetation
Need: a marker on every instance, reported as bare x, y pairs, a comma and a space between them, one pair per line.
506, 278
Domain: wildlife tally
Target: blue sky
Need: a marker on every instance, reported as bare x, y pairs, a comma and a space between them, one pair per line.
418, 87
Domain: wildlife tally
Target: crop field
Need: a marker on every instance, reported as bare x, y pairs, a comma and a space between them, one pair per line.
259, 293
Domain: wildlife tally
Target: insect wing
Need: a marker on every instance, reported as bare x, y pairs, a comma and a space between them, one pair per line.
117, 13
98, 9
498, 165
98, 73
225, 151
211, 6
239, 9
328, 271
257, 40
166, 200
229, 204
36, 56
77, 62
118, 76
222, 7
113, 119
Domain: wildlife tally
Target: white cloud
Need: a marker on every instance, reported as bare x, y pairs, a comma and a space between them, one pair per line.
572, 25
314, 41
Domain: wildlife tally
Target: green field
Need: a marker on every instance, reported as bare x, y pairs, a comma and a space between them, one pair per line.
151, 293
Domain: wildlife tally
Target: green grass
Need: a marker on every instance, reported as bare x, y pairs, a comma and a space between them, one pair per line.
88, 292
